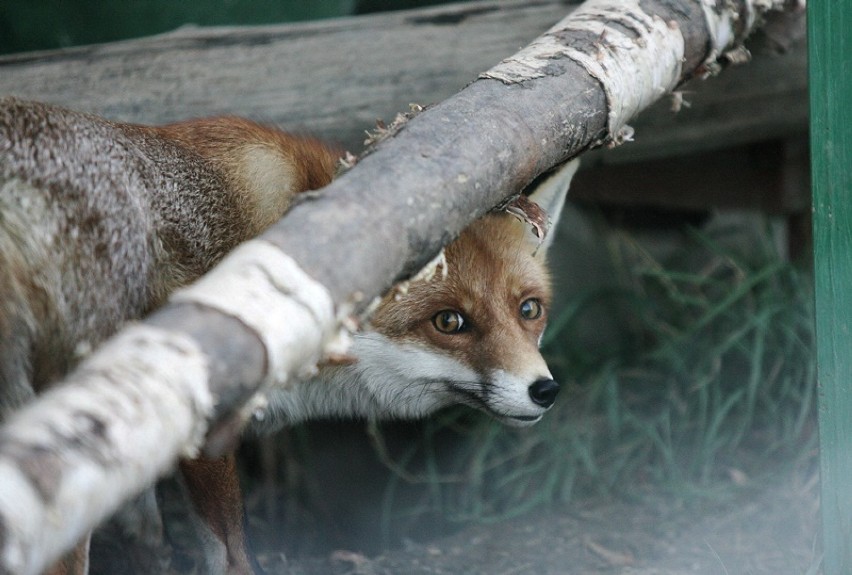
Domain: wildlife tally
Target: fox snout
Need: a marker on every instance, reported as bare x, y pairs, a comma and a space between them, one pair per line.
543, 392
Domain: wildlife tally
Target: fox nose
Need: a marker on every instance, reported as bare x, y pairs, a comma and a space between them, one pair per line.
543, 392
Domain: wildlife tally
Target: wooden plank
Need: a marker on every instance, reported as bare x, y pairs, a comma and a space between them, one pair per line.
334, 78
831, 150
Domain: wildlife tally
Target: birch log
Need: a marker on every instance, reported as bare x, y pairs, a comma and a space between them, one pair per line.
277, 304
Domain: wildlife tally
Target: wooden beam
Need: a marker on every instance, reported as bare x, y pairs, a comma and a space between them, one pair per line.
831, 149
334, 78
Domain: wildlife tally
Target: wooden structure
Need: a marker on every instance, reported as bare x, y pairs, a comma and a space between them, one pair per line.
336, 78
831, 145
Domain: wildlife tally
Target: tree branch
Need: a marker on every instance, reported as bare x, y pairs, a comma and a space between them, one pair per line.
151, 393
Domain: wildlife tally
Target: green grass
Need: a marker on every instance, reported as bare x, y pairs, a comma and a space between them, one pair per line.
712, 384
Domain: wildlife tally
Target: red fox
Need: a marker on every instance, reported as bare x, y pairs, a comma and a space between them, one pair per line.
100, 221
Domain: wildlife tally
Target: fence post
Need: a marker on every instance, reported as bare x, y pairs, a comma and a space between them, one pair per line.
830, 59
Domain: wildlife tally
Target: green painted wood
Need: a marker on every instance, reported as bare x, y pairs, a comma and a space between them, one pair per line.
830, 59
44, 24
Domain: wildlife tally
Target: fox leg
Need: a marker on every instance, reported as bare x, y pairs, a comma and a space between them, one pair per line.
75, 562
214, 489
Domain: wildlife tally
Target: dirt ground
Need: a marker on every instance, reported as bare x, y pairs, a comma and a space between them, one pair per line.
764, 529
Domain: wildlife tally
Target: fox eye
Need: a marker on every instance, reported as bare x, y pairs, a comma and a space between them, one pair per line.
449, 321
531, 308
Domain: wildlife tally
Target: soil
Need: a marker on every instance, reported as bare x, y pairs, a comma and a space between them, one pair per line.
769, 529
742, 526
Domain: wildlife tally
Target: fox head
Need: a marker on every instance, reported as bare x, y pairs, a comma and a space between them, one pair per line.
471, 333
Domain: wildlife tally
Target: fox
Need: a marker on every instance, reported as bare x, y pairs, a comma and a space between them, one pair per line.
100, 221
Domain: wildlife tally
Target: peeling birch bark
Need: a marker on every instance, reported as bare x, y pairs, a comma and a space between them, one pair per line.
636, 56
275, 307
70, 459
266, 290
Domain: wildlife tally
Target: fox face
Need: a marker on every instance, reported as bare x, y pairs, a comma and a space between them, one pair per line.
469, 335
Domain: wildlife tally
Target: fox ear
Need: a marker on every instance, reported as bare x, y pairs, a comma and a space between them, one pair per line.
550, 194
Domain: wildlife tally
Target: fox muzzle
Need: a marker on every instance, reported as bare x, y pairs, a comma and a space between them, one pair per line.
543, 392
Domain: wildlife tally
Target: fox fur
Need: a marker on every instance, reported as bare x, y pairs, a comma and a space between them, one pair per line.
101, 220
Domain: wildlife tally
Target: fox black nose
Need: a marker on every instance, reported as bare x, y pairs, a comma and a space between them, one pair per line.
543, 392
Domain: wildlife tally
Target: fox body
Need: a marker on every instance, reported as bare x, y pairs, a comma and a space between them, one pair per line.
100, 221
